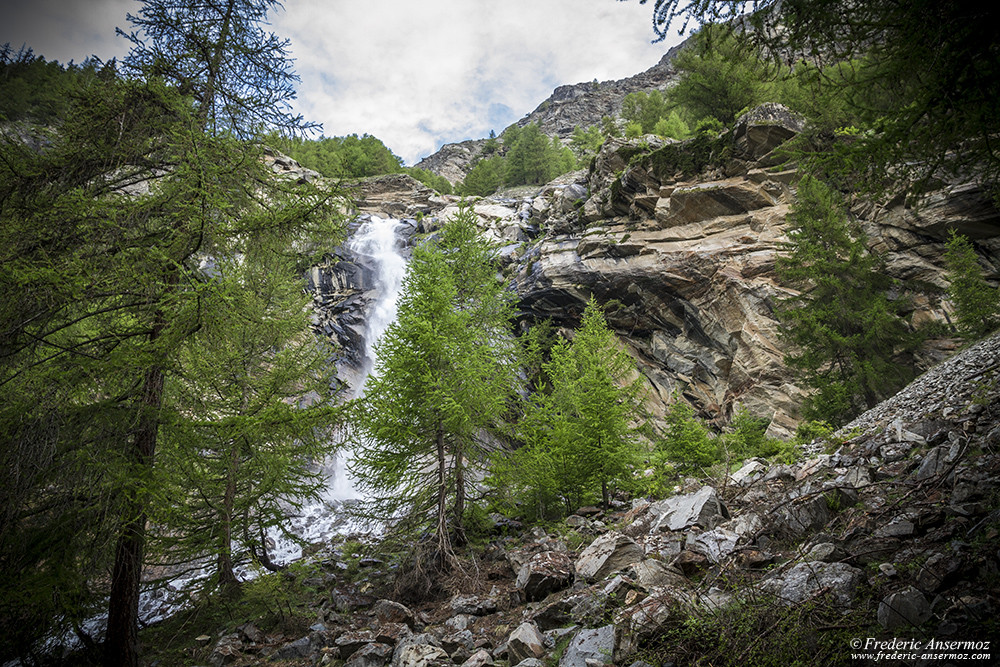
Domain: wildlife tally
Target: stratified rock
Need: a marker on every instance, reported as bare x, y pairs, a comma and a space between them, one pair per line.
525, 642
544, 573
606, 554
701, 508
590, 647
764, 128
907, 607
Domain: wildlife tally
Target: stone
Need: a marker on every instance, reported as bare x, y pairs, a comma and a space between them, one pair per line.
462, 638
473, 604
480, 658
805, 580
525, 642
691, 562
905, 608
935, 463
389, 611
460, 622
762, 129
296, 650
370, 655
802, 517
227, 650
636, 623
606, 554
596, 644
421, 655
752, 470
716, 544
898, 527
544, 573
352, 640
651, 573
576, 521
826, 552
701, 508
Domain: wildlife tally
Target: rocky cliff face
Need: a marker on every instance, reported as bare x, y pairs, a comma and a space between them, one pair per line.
568, 107
678, 241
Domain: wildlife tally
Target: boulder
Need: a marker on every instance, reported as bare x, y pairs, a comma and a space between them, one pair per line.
421, 655
808, 579
701, 508
388, 611
907, 607
227, 650
544, 573
651, 573
751, 471
480, 658
473, 604
715, 544
606, 554
370, 655
296, 650
590, 647
525, 642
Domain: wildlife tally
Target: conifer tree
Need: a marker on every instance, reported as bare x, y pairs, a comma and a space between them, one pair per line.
850, 338
444, 373
580, 429
977, 305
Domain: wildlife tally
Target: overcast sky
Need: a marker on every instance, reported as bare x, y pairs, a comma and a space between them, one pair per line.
414, 73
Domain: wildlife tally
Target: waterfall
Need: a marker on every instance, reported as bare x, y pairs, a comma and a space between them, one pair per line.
376, 241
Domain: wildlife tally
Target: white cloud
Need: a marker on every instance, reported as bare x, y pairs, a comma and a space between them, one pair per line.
414, 74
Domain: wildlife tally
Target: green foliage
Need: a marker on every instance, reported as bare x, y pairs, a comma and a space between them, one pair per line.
922, 76
672, 127
533, 158
586, 143
529, 158
850, 337
644, 108
579, 437
486, 177
719, 76
253, 386
445, 370
633, 130
977, 304
430, 179
33, 89
686, 442
341, 157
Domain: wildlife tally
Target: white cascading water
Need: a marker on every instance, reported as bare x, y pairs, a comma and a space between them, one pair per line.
376, 246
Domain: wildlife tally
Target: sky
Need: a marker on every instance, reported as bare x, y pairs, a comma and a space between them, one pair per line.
415, 74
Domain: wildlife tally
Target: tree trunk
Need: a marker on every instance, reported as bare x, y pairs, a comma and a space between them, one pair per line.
227, 578
459, 529
122, 644
444, 543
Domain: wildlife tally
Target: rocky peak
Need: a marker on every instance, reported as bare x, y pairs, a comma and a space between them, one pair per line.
567, 108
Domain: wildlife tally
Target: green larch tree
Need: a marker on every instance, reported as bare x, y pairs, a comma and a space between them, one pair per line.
850, 338
977, 304
445, 371
580, 427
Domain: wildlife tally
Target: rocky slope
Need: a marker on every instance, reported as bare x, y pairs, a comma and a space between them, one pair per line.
892, 532
568, 107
